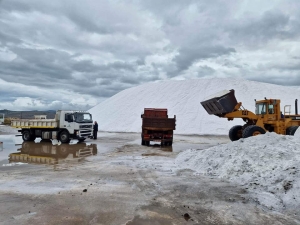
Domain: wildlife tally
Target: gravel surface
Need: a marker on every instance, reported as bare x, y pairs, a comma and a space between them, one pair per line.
124, 184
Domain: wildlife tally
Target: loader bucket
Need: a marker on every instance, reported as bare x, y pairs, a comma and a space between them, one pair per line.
220, 103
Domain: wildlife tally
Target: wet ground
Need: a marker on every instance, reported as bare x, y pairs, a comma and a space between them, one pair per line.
114, 180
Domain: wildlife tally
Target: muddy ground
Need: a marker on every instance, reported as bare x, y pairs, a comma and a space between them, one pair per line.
118, 182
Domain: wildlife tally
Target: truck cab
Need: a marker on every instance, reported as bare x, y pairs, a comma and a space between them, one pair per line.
78, 122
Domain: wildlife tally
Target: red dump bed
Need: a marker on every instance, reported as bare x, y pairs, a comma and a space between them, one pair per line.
157, 119
155, 113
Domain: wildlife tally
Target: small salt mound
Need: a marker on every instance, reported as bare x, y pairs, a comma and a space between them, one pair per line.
266, 164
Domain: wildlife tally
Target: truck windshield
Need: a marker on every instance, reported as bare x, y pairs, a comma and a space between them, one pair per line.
260, 108
83, 118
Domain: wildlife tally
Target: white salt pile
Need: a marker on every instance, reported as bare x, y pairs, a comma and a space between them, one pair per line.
267, 165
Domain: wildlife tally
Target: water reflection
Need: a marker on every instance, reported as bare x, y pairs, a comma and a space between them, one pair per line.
46, 153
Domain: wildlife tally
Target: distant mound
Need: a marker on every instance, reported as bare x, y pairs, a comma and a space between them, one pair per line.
122, 112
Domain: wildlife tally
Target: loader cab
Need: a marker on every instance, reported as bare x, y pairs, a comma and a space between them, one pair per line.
270, 107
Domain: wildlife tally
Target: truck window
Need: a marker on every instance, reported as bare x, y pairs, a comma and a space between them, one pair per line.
83, 118
260, 108
69, 117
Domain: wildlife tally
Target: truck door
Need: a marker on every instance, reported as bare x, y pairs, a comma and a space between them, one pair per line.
69, 123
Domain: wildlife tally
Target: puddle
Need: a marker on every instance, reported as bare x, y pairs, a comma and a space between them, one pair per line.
152, 154
17, 152
8, 146
149, 221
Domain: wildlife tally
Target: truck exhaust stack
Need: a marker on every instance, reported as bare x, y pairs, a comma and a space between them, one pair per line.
221, 103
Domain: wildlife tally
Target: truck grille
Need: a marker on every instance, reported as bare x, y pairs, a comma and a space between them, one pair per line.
86, 126
85, 133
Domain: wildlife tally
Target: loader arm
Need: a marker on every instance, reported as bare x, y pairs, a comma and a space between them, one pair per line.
225, 105
243, 114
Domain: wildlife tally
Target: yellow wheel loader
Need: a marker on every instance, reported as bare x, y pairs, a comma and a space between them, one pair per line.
267, 116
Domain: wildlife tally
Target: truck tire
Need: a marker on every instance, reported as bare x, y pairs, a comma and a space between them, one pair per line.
253, 130
143, 142
64, 137
26, 135
291, 130
81, 140
147, 143
235, 133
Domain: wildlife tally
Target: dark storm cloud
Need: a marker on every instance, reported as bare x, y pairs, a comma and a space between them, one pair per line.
271, 25
6, 38
98, 48
205, 71
84, 22
187, 56
34, 66
288, 81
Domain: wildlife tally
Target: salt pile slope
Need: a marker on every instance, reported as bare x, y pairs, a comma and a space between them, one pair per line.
268, 165
122, 112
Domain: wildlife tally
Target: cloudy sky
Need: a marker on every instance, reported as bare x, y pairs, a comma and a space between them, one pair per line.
66, 54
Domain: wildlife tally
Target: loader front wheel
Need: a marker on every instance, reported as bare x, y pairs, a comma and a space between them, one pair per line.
294, 129
253, 130
235, 133
291, 130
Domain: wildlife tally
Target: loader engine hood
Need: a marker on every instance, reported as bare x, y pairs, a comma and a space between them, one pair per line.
220, 103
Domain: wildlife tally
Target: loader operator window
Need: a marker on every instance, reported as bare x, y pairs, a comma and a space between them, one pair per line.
260, 108
271, 109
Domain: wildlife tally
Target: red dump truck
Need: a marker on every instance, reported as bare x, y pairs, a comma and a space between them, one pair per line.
157, 127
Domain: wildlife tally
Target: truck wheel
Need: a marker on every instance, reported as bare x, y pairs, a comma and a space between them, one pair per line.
253, 130
33, 137
147, 143
81, 140
291, 130
64, 136
26, 135
235, 133
143, 142
170, 143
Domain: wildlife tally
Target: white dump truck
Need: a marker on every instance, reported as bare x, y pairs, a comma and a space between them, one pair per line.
65, 126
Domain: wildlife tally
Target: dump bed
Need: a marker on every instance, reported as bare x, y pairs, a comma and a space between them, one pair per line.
220, 103
155, 112
33, 123
159, 123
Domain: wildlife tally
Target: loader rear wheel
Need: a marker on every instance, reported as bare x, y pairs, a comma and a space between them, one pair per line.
235, 133
291, 130
253, 130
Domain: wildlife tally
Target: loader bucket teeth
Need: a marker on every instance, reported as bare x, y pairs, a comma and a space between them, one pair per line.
221, 103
